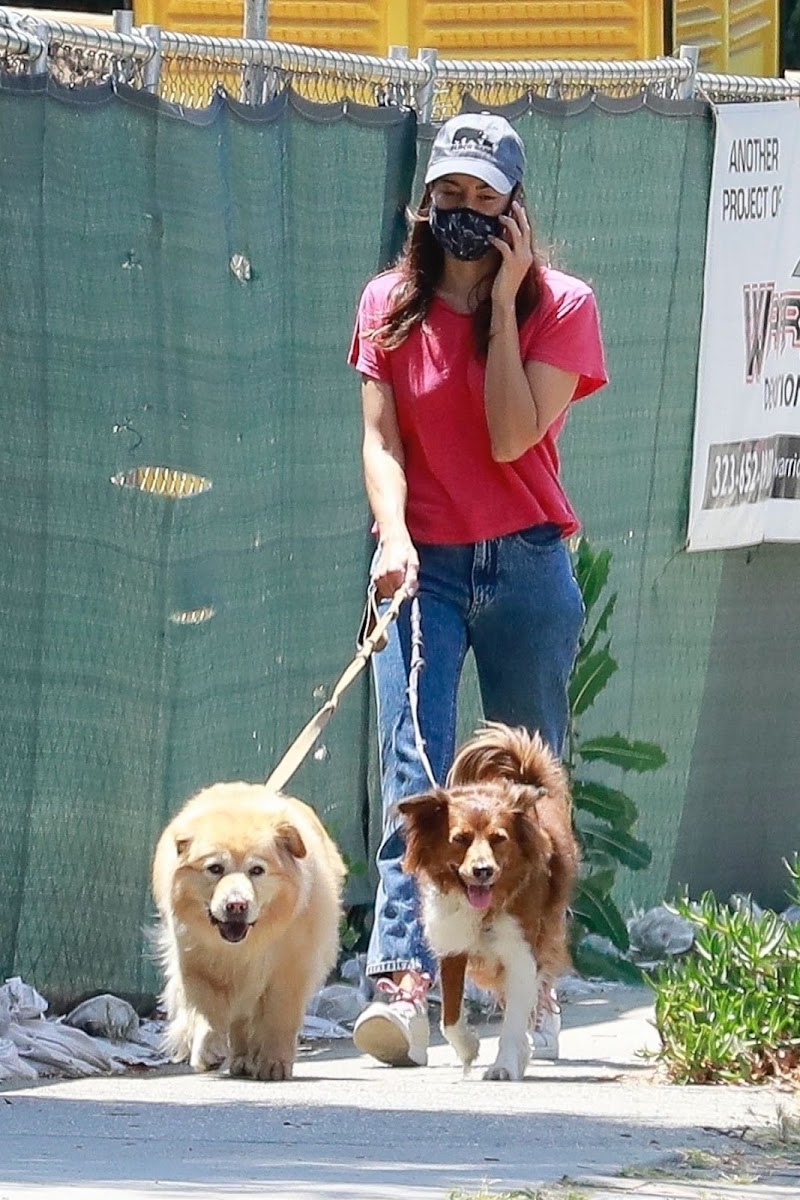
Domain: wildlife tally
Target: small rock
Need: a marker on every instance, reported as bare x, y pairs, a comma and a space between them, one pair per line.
741, 902
106, 1016
339, 1003
659, 933
572, 988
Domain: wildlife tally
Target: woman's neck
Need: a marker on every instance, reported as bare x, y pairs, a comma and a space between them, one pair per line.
460, 282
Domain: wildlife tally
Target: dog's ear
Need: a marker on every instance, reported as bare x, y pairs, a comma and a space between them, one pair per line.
424, 811
523, 806
182, 845
534, 843
425, 819
289, 838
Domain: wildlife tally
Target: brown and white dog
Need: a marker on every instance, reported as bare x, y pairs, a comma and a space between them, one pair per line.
248, 887
496, 862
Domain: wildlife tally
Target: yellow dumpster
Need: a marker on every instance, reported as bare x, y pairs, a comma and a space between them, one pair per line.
739, 36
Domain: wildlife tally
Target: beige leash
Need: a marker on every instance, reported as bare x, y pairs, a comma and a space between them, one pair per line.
417, 665
373, 636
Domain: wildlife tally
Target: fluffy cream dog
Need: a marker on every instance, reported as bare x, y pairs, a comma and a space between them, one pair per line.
248, 887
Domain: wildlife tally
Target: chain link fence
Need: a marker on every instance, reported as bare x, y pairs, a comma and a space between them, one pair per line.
189, 70
72, 55
20, 54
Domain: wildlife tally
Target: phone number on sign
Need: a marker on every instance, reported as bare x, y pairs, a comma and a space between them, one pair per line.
739, 473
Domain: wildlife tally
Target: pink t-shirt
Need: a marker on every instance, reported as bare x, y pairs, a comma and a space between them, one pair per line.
457, 493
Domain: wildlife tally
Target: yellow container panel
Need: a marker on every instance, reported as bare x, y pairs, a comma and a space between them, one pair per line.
362, 27
736, 36
753, 38
733, 35
519, 29
358, 27
216, 19
704, 25
505, 29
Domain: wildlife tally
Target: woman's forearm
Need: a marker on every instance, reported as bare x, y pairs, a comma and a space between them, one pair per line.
387, 491
511, 413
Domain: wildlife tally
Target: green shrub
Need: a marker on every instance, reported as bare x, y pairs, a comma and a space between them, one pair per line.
729, 1011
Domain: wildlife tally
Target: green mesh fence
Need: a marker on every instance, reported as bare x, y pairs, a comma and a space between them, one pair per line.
182, 288
130, 342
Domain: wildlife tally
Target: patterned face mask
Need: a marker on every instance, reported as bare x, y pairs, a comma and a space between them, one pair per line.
463, 232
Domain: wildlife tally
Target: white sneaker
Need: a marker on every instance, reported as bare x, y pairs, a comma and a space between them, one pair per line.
396, 1033
545, 1027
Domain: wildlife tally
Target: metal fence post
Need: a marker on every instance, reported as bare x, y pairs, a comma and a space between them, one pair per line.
151, 72
395, 90
123, 20
39, 63
686, 86
255, 19
254, 29
425, 93
123, 23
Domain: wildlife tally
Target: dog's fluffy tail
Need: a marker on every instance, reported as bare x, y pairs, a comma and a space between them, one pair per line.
500, 752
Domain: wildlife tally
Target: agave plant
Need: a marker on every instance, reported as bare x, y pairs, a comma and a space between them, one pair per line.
603, 816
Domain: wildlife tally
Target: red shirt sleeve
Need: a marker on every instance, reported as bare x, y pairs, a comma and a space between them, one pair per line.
364, 354
564, 332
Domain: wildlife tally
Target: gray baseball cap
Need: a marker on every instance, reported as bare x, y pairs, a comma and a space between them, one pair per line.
478, 144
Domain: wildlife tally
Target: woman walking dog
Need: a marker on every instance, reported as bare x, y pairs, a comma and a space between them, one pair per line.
470, 352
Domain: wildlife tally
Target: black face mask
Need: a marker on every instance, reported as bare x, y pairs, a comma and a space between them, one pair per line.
463, 232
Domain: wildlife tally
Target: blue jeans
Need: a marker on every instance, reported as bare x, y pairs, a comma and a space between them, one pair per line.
515, 603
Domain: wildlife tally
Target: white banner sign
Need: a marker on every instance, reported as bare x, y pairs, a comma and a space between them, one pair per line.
746, 464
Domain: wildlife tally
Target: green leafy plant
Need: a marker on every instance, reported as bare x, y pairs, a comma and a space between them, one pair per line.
729, 1011
603, 816
349, 933
351, 925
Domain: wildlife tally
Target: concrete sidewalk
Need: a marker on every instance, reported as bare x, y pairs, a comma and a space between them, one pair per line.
348, 1129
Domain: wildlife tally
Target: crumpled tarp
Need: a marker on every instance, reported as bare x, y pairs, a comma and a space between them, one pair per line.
104, 1035
33, 1047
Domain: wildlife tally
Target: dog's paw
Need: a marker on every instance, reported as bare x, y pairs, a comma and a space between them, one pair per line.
209, 1060
275, 1069
510, 1064
207, 1052
273, 1064
464, 1041
203, 1065
503, 1074
240, 1067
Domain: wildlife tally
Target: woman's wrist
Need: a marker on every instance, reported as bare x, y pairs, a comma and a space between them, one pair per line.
394, 532
504, 318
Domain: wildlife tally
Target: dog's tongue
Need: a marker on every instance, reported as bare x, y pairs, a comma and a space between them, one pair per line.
479, 896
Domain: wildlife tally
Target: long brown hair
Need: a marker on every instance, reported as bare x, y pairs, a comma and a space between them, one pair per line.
421, 263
